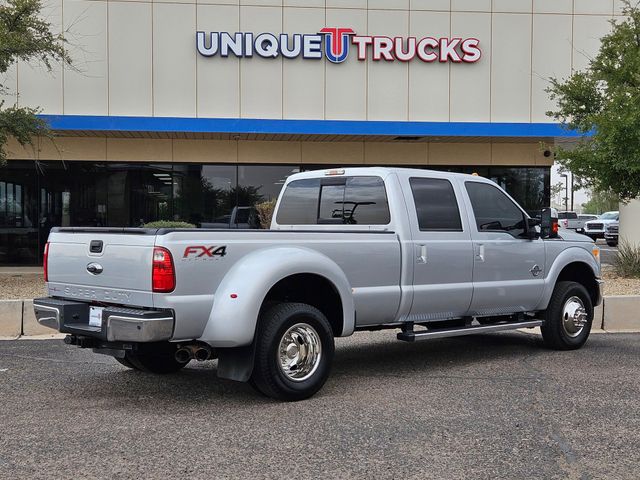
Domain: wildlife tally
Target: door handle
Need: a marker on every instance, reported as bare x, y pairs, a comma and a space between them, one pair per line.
480, 252
422, 258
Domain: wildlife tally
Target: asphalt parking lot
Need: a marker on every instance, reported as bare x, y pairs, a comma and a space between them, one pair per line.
491, 406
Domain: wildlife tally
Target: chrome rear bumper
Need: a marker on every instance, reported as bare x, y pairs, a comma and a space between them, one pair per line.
118, 324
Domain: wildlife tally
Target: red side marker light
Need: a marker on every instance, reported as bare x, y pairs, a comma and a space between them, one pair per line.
234, 295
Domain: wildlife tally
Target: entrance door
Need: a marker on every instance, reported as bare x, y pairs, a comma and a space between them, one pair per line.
508, 268
443, 254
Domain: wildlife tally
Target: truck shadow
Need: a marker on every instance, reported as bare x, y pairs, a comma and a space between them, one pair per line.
356, 358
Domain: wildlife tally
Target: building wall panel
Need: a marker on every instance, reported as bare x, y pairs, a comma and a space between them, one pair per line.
346, 83
218, 79
39, 87
261, 78
470, 96
388, 81
429, 82
130, 59
174, 60
551, 57
86, 85
587, 31
511, 68
303, 81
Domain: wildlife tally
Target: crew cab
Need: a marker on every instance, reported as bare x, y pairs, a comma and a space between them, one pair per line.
430, 254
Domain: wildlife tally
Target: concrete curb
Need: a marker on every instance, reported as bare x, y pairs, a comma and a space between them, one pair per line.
621, 312
617, 314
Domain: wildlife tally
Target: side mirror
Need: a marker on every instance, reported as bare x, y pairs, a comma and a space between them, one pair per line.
549, 223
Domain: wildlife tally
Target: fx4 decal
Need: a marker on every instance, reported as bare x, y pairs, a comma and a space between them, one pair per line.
202, 251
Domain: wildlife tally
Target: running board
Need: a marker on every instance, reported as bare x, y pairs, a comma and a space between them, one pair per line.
411, 336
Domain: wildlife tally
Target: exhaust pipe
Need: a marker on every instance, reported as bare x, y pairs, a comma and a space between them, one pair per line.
183, 355
202, 353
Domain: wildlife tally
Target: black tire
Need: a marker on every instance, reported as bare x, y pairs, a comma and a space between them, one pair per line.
268, 376
612, 243
554, 332
159, 363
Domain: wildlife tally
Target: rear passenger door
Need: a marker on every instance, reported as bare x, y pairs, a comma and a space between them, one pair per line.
442, 250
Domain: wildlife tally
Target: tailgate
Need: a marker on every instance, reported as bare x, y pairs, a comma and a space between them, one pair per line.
102, 266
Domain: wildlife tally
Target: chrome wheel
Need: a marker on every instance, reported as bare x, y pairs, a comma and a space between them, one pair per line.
299, 352
574, 316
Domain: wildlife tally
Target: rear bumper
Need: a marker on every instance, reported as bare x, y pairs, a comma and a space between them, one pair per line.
118, 324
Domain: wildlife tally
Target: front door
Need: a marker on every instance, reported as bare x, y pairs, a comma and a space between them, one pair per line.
442, 250
508, 267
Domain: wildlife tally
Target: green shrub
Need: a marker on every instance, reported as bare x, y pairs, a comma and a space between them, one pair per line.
628, 260
168, 224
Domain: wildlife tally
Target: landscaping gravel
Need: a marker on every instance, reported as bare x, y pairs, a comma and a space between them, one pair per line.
26, 285
616, 285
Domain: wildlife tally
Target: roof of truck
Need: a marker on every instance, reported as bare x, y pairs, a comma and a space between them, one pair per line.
379, 171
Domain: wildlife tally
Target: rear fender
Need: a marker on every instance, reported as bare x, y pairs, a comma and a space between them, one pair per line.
238, 299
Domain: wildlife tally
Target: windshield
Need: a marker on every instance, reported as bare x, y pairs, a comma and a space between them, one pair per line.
609, 216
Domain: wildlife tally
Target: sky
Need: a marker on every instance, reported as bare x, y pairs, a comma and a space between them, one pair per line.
580, 197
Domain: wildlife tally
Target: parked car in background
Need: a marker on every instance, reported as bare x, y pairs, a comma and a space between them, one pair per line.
569, 220
611, 233
584, 218
596, 228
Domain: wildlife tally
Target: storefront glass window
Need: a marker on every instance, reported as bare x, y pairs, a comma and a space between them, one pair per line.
35, 197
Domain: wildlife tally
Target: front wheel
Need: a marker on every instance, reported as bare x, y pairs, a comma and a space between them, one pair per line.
294, 352
568, 318
612, 243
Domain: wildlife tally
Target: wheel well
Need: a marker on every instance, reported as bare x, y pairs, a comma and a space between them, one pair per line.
314, 290
583, 274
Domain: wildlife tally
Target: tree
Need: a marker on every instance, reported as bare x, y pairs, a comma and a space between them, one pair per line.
601, 202
604, 100
27, 37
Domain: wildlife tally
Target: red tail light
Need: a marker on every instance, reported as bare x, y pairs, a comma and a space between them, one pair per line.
163, 277
554, 226
45, 261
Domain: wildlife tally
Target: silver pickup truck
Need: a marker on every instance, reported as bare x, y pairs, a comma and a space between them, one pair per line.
431, 254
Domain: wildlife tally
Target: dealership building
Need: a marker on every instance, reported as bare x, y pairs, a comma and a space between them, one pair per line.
190, 110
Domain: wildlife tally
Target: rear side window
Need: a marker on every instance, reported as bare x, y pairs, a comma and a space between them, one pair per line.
494, 211
436, 204
365, 202
299, 204
335, 200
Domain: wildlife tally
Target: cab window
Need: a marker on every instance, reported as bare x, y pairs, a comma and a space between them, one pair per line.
494, 211
436, 205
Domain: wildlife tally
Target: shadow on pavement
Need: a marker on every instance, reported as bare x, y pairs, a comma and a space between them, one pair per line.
198, 382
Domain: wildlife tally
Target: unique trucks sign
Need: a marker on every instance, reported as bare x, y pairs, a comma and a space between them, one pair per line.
335, 45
